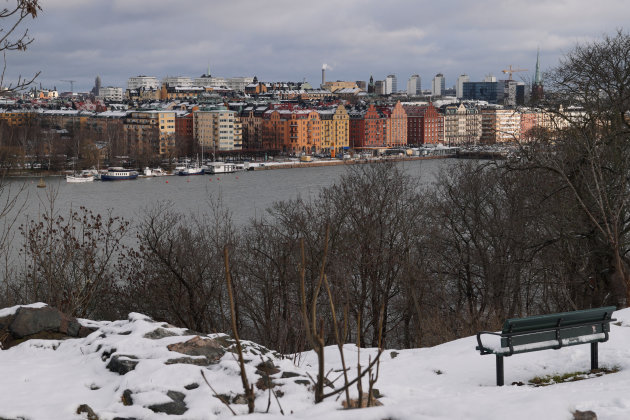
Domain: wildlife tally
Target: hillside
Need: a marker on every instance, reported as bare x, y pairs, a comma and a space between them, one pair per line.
124, 369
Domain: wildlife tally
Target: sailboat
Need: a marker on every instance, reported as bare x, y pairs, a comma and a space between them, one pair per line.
192, 169
76, 177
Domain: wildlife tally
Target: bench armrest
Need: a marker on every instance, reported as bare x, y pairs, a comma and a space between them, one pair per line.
480, 347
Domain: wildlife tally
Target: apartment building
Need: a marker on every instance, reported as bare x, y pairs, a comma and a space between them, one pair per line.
335, 129
367, 127
218, 130
424, 125
146, 82
499, 125
110, 93
150, 131
462, 124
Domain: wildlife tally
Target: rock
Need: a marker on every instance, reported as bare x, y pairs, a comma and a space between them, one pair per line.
393, 354
159, 333
302, 381
5, 321
85, 331
84, 408
354, 403
122, 364
239, 399
29, 321
175, 407
265, 383
202, 361
107, 353
198, 346
584, 415
289, 375
126, 397
39, 323
267, 368
194, 385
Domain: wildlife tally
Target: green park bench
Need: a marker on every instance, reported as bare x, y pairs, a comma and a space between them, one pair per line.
553, 331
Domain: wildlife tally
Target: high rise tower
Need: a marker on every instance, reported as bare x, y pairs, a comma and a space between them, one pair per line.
537, 86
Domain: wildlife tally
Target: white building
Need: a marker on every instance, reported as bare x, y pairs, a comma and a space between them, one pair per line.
414, 87
217, 130
109, 93
239, 83
233, 83
438, 85
177, 81
147, 82
391, 84
459, 87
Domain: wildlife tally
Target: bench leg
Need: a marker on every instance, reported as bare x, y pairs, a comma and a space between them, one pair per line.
594, 356
499, 370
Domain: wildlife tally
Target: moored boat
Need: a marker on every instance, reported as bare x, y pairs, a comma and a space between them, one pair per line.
222, 168
119, 174
191, 170
148, 172
78, 179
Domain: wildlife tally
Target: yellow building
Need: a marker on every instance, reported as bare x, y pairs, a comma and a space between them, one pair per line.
151, 131
17, 118
335, 129
334, 86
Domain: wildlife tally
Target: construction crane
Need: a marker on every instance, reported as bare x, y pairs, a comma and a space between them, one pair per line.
510, 70
71, 84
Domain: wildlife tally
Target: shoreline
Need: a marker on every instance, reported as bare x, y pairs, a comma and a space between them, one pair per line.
270, 165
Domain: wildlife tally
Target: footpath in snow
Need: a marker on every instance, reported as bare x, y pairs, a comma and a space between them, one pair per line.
139, 368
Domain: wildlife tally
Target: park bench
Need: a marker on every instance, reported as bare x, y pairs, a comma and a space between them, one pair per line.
553, 331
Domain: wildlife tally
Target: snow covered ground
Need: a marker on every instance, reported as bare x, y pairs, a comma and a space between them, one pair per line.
49, 379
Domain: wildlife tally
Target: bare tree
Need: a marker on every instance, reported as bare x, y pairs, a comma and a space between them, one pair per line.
12, 40
588, 150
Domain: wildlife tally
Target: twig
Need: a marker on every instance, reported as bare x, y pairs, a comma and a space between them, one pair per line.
217, 395
249, 390
278, 401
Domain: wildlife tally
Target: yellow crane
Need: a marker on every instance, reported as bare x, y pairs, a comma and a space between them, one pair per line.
510, 70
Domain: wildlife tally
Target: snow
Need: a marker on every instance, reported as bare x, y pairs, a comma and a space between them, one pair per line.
12, 310
49, 379
497, 349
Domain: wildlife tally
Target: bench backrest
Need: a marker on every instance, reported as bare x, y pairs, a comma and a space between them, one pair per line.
522, 326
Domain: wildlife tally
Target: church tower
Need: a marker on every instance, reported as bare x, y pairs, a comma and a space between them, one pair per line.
537, 86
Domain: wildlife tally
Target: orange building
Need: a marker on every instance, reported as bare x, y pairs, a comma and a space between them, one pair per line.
292, 131
395, 125
367, 127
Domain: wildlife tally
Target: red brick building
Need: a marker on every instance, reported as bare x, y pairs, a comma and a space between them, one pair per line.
425, 125
367, 127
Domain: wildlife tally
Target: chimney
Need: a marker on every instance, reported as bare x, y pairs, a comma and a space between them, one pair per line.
323, 75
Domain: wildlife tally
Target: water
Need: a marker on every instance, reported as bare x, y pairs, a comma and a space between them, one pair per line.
246, 194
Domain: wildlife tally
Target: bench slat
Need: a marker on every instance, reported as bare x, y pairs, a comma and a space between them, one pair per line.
551, 320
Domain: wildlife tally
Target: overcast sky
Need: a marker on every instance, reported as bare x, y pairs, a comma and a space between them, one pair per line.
281, 40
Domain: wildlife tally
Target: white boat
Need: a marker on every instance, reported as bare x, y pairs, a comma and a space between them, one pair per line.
222, 168
119, 174
148, 172
78, 179
192, 170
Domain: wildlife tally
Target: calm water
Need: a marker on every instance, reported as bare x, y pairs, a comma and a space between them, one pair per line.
246, 194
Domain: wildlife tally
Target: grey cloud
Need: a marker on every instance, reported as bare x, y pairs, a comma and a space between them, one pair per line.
289, 40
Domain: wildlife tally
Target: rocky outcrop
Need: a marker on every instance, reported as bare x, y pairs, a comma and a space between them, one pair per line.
175, 407
198, 346
39, 323
122, 364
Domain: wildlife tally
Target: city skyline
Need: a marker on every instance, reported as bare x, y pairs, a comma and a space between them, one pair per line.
279, 41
